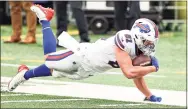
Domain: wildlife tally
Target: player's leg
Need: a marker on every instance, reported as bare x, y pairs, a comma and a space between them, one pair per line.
64, 63
63, 60
49, 46
45, 15
49, 41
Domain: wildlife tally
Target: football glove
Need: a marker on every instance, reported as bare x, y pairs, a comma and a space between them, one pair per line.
153, 98
155, 62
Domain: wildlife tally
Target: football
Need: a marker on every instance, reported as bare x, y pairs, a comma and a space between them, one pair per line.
141, 60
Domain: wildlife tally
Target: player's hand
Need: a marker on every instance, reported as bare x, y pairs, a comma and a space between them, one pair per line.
155, 63
153, 98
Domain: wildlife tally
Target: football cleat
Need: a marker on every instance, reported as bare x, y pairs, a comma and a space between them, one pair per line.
18, 79
42, 13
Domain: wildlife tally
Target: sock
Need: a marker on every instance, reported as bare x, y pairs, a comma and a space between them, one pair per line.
40, 71
49, 41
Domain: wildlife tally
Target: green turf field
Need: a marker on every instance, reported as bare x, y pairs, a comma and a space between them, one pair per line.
60, 102
171, 53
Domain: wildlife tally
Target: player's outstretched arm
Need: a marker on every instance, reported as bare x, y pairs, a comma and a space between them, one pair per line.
128, 69
141, 85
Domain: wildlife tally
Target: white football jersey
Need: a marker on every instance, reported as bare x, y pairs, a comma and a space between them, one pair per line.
100, 56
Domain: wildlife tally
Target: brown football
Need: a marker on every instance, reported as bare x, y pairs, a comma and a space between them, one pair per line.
141, 60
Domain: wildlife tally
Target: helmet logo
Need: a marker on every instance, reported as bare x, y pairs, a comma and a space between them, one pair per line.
144, 28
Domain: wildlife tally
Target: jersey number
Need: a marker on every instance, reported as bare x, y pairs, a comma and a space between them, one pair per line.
114, 64
128, 38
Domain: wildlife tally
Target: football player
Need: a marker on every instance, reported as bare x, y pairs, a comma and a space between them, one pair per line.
82, 60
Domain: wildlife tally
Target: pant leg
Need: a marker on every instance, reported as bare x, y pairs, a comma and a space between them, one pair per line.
134, 13
120, 9
16, 19
31, 19
61, 16
81, 21
64, 60
65, 63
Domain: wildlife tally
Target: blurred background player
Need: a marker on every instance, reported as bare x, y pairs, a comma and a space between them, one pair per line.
16, 21
126, 13
78, 13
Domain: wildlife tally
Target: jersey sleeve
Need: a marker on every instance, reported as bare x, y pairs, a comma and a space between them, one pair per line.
123, 40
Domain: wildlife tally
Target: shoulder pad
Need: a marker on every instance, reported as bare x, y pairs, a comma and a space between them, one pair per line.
123, 39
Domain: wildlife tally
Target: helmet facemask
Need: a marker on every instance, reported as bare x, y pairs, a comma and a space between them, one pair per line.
148, 47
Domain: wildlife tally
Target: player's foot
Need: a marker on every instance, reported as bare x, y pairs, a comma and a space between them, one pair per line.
42, 13
19, 78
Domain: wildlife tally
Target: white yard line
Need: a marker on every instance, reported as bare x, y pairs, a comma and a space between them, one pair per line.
115, 105
24, 101
5, 95
109, 73
86, 90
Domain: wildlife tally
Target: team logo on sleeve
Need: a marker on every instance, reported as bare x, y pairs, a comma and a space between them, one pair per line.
144, 28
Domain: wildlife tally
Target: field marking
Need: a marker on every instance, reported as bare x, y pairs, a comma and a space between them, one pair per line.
115, 105
109, 73
24, 101
32, 60
181, 72
5, 95
15, 65
98, 91
72, 32
38, 61
7, 58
